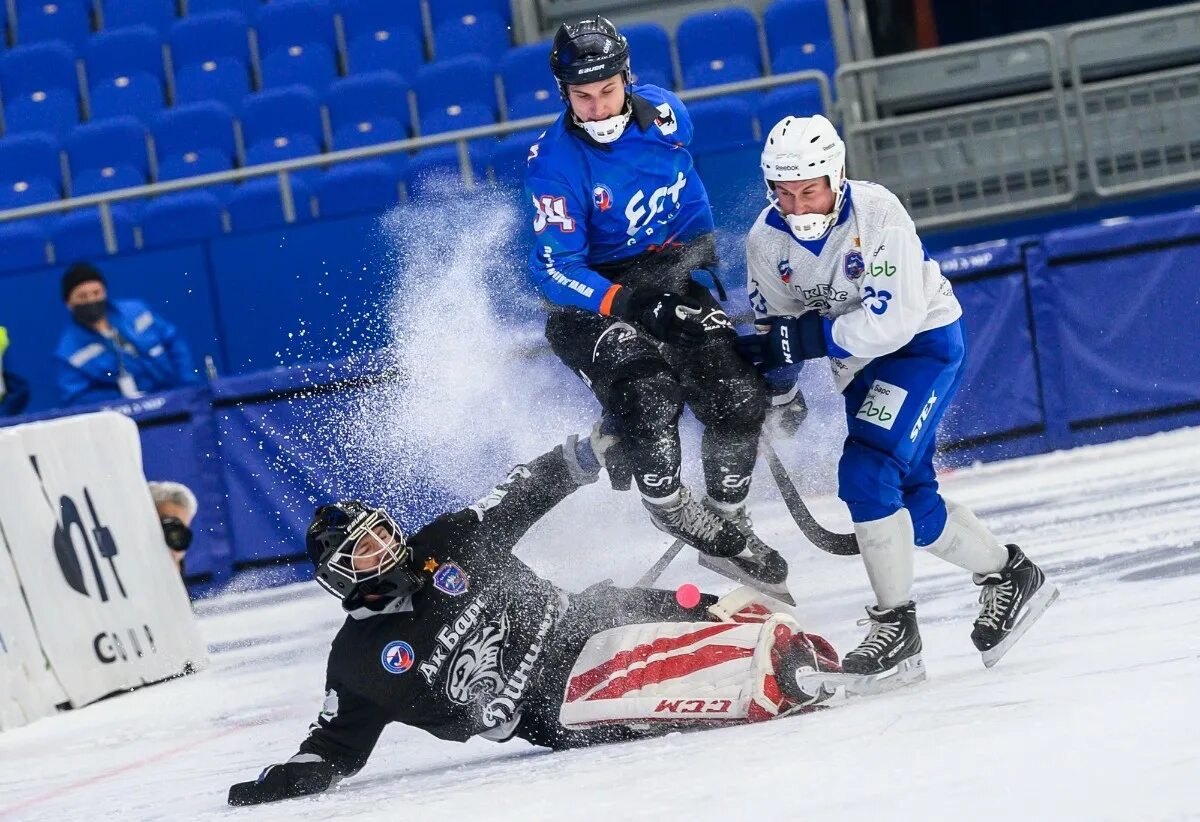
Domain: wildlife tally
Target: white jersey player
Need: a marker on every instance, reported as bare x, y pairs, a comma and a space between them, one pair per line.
836, 269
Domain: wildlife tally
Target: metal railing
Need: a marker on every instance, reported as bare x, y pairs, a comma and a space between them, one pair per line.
284, 168
1026, 122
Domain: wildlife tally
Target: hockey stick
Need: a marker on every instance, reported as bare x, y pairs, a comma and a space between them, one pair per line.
832, 542
655, 571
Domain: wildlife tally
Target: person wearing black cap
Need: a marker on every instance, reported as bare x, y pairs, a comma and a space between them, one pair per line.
115, 349
622, 223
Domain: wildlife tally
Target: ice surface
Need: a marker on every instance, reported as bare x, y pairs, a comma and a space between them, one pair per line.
1095, 714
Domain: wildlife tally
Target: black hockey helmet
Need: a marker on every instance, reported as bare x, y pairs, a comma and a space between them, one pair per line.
347, 534
587, 51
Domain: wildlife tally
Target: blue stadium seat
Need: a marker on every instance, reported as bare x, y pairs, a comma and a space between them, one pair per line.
41, 88
194, 139
211, 58
21, 193
39, 21
456, 93
399, 50
53, 110
370, 186
437, 170
107, 155
368, 108
791, 24
529, 87
125, 73
257, 204
201, 37
721, 125
361, 17
116, 52
182, 217
243, 7
309, 64
285, 23
803, 100
820, 55
650, 54
158, 14
484, 33
442, 10
79, 235
718, 47
40, 66
138, 95
510, 158
288, 113
30, 156
24, 243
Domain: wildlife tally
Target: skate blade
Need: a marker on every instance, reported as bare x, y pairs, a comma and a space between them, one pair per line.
1034, 609
728, 569
908, 672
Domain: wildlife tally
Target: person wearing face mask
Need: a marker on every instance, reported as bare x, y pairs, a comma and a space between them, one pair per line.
836, 269
115, 349
622, 223
176, 506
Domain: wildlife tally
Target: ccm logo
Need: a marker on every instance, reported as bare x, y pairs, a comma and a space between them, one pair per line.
693, 706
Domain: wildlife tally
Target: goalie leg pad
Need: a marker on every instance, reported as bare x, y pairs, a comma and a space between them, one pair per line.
679, 674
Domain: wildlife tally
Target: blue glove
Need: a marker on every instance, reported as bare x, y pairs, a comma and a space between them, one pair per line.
788, 341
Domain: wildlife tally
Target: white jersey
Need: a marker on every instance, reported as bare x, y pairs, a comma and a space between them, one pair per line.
870, 275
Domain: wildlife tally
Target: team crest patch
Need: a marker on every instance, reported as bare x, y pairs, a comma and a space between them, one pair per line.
397, 657
854, 265
785, 270
450, 579
602, 197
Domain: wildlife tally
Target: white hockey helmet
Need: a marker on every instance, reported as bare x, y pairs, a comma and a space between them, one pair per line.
803, 148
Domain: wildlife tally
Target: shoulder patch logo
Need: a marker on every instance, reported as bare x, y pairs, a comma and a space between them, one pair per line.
785, 270
397, 657
450, 579
665, 120
854, 265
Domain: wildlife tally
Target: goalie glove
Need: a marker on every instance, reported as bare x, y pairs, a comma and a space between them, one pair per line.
302, 775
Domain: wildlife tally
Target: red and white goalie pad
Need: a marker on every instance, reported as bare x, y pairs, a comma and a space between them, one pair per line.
682, 673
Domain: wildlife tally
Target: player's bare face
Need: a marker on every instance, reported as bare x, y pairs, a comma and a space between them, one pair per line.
805, 196
593, 102
372, 549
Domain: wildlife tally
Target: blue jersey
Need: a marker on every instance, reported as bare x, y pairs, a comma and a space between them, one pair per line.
596, 204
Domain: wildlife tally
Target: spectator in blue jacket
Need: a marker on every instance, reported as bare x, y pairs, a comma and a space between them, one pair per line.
115, 349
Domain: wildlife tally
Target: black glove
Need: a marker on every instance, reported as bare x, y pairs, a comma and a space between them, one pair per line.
671, 318
284, 781
786, 408
787, 341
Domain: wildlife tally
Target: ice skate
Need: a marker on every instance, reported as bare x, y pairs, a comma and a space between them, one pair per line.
758, 566
1013, 598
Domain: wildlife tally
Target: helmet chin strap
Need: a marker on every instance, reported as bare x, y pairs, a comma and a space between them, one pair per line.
609, 129
810, 227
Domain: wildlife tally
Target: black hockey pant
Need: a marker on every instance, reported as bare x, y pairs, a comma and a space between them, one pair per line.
644, 383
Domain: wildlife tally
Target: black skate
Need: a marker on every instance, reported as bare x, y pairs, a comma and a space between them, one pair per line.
759, 566
1013, 599
890, 655
798, 664
696, 525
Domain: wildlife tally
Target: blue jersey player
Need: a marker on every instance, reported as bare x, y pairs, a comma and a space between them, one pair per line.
621, 221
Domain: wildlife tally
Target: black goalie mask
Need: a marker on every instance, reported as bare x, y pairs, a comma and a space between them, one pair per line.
360, 552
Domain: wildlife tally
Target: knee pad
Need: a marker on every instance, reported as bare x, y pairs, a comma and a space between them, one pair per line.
869, 482
738, 407
648, 405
